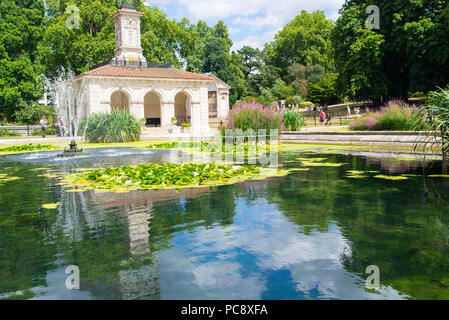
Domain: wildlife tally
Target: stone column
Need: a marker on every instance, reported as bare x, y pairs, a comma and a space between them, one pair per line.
203, 110
195, 117
137, 109
167, 113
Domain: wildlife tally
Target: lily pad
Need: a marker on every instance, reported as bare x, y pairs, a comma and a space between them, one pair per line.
51, 205
394, 178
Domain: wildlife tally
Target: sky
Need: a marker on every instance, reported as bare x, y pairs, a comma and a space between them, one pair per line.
250, 22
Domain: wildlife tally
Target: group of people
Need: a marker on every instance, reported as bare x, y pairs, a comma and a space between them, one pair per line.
325, 116
62, 129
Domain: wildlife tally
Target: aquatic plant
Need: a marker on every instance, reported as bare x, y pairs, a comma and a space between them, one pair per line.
396, 115
293, 120
29, 147
254, 116
116, 126
166, 175
436, 115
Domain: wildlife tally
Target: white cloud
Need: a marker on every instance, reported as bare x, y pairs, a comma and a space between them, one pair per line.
280, 9
257, 20
256, 41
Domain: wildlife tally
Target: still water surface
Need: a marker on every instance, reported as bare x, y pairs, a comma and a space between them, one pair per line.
309, 235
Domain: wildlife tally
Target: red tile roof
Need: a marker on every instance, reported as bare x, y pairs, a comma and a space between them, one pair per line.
155, 73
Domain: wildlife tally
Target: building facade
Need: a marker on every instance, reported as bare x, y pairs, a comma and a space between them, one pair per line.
156, 92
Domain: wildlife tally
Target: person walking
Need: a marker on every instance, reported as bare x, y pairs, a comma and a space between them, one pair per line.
328, 119
348, 111
43, 124
61, 126
322, 115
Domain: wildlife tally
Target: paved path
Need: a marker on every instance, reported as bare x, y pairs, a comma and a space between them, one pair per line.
380, 138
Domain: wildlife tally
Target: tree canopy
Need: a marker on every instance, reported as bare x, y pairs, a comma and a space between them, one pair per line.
310, 59
402, 57
304, 40
21, 30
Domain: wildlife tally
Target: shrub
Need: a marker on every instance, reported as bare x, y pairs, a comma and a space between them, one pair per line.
32, 114
436, 115
395, 116
117, 126
306, 104
51, 131
254, 116
293, 120
8, 133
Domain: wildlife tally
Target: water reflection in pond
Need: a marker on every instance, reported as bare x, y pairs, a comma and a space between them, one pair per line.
309, 235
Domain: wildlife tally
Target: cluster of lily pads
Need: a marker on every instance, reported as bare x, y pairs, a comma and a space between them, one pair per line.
180, 144
213, 147
167, 176
29, 147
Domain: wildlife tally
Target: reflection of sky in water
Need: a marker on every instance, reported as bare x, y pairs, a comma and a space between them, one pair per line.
261, 256
270, 239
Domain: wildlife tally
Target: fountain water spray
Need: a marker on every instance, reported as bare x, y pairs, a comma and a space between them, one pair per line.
72, 105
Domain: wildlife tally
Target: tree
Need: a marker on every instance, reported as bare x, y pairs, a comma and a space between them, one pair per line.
74, 49
21, 29
226, 66
79, 49
252, 60
265, 79
305, 40
193, 39
400, 57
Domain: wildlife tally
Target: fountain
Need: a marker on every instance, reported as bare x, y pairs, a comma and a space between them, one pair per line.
71, 104
72, 151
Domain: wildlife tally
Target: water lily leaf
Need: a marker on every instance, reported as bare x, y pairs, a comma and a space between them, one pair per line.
51, 205
381, 176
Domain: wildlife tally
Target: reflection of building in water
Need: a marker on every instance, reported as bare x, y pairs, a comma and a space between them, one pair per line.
137, 228
142, 282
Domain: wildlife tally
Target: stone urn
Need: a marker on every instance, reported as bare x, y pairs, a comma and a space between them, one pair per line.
185, 129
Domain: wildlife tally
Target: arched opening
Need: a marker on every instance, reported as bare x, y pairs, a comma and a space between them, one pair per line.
182, 108
119, 101
152, 109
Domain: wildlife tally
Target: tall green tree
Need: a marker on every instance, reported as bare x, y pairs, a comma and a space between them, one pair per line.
304, 40
21, 29
219, 60
193, 39
408, 53
79, 49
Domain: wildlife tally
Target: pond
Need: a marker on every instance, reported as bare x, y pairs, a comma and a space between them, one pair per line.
308, 235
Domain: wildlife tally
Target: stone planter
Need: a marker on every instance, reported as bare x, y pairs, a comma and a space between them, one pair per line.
185, 129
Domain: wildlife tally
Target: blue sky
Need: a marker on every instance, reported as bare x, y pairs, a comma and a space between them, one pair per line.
250, 22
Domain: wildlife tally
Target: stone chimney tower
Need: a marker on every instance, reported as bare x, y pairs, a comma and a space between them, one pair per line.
127, 33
